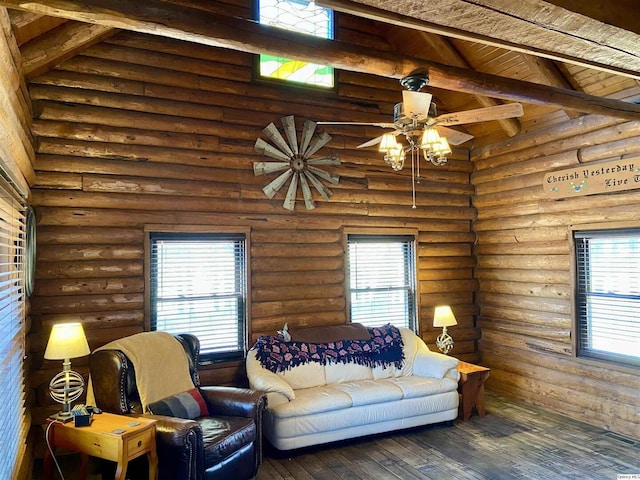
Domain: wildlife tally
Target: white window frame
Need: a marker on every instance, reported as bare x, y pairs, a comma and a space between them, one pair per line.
184, 232
411, 320
605, 338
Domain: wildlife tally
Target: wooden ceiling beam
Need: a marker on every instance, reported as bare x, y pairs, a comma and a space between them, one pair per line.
552, 32
55, 46
157, 17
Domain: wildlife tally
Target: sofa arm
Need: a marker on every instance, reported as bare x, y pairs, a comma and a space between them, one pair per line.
233, 401
434, 365
180, 442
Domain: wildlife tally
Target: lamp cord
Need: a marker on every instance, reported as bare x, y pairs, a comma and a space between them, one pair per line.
46, 437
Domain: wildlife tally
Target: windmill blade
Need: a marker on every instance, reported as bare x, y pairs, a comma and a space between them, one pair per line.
265, 168
308, 130
320, 141
290, 199
306, 193
269, 150
289, 125
274, 135
332, 160
322, 190
454, 137
324, 175
498, 112
362, 124
416, 104
272, 188
377, 140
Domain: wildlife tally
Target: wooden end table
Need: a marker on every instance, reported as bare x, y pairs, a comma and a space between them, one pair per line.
471, 386
99, 440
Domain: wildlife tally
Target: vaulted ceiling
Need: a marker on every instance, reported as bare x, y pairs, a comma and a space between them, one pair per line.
561, 58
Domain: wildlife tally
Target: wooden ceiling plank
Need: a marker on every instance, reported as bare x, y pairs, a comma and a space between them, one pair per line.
48, 50
160, 18
578, 56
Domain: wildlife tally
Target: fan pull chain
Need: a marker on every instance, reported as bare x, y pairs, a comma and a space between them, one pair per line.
413, 177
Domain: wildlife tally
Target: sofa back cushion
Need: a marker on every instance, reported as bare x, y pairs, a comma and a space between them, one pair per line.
350, 372
309, 375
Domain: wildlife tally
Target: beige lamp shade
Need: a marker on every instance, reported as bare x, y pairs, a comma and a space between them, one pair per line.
67, 340
443, 316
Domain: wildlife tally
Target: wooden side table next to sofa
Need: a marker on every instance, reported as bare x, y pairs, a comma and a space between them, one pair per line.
471, 387
112, 437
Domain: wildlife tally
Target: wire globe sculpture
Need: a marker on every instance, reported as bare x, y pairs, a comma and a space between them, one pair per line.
66, 386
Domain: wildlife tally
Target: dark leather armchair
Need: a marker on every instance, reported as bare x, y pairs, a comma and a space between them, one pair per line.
225, 445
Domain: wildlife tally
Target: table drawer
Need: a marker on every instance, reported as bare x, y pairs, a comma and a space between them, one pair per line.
140, 443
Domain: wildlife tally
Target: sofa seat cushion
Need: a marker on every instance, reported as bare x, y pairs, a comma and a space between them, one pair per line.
412, 387
223, 436
310, 401
368, 392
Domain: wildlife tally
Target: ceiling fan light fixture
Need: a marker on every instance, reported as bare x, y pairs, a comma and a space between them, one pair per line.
388, 143
443, 147
430, 139
395, 158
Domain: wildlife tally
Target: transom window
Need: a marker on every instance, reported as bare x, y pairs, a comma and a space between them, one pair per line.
299, 16
608, 294
382, 280
198, 285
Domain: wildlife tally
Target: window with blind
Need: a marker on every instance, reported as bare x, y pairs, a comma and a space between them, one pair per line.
608, 295
382, 280
198, 285
14, 423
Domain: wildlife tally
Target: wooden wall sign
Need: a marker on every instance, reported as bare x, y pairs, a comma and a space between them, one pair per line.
613, 176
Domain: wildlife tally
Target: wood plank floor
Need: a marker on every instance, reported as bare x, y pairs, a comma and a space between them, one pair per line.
514, 440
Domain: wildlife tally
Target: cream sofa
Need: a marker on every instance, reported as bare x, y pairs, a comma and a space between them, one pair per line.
313, 403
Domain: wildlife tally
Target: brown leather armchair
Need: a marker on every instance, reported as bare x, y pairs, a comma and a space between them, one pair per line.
225, 445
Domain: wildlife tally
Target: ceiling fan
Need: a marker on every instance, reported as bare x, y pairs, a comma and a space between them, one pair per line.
417, 119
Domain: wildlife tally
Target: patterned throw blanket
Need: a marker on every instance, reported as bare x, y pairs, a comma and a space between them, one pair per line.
383, 349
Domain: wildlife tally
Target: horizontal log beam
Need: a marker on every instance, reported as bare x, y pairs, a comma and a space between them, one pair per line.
161, 18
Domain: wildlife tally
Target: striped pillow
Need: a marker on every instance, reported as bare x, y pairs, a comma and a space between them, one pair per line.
189, 404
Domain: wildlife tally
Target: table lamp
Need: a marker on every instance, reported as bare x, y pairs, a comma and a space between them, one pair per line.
67, 341
443, 317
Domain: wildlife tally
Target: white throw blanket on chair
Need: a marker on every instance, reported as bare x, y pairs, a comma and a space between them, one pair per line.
160, 363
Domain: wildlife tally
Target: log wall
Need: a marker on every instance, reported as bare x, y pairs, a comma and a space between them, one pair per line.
524, 270
140, 130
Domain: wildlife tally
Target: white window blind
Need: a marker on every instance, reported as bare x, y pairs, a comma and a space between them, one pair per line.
608, 294
198, 285
14, 423
382, 280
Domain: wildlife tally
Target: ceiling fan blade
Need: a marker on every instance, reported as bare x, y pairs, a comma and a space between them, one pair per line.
508, 110
289, 125
362, 124
274, 135
322, 190
454, 137
416, 104
265, 168
331, 160
306, 193
290, 199
269, 150
272, 187
307, 133
320, 141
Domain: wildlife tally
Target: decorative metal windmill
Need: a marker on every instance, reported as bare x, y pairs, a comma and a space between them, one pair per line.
295, 160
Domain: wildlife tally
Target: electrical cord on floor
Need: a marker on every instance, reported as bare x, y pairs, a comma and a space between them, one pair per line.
46, 437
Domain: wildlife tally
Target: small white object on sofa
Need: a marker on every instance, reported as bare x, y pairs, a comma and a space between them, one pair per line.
313, 403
